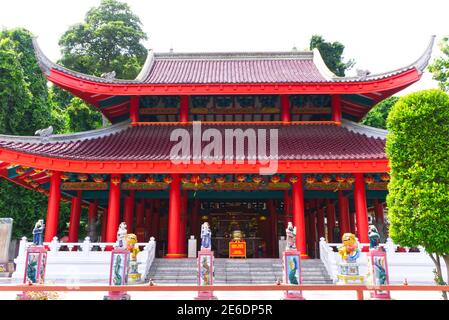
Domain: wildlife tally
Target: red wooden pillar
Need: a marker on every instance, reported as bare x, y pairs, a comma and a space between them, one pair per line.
298, 215
184, 109
360, 208
75, 216
174, 251
344, 213
155, 224
140, 214
129, 212
285, 108
330, 221
320, 222
93, 212
54, 198
104, 225
336, 108
379, 210
287, 207
183, 223
134, 109
113, 208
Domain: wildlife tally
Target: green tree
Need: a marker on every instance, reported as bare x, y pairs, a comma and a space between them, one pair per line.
377, 116
24, 108
82, 117
418, 149
332, 54
108, 40
440, 66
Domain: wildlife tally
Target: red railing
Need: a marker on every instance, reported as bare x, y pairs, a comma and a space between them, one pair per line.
359, 289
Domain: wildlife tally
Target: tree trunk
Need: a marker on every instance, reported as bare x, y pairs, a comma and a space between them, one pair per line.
437, 262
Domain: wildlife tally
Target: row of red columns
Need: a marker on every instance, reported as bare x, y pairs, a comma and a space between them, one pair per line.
178, 214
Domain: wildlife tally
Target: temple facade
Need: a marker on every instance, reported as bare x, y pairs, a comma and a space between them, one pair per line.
244, 141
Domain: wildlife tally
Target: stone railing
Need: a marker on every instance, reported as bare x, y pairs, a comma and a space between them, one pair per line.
84, 260
413, 265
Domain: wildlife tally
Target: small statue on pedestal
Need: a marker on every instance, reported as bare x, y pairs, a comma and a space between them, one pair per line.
374, 237
121, 235
38, 232
131, 245
291, 237
206, 236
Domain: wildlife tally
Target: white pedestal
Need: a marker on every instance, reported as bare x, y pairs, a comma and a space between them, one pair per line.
191, 253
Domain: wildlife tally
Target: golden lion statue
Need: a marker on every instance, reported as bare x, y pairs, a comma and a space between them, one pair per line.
131, 245
349, 251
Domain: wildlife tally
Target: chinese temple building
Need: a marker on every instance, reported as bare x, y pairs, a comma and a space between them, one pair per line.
330, 176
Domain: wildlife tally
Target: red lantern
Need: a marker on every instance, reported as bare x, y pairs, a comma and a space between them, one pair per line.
115, 180
34, 184
326, 179
65, 176
310, 179
98, 179
184, 180
168, 179
340, 179
275, 179
207, 180
385, 177
241, 178
150, 180
350, 179
20, 171
133, 179
369, 179
257, 179
82, 177
220, 180
195, 179
293, 179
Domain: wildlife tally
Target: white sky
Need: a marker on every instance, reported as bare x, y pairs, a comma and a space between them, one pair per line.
380, 35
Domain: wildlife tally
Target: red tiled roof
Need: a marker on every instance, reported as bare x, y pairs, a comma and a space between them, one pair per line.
152, 142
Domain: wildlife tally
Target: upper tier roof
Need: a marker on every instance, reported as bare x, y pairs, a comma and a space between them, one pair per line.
234, 68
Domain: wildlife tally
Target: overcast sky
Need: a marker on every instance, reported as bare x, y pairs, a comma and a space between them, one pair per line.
380, 35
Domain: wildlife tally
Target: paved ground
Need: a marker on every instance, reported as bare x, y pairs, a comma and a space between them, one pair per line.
243, 295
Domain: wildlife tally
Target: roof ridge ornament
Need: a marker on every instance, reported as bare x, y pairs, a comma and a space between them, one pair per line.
45, 133
109, 75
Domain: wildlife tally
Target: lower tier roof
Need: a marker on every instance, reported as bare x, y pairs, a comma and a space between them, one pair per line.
151, 142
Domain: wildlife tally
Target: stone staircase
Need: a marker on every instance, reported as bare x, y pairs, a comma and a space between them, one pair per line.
235, 271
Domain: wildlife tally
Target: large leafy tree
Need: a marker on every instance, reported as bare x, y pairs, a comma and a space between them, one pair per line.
377, 116
25, 106
418, 197
440, 66
332, 54
108, 40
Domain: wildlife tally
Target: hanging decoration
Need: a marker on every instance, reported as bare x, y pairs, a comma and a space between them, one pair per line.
184, 180
20, 170
65, 176
310, 179
385, 177
293, 179
350, 179
207, 180
150, 180
195, 179
340, 179
83, 177
220, 180
115, 180
241, 178
257, 179
168, 179
133, 179
275, 179
369, 179
34, 184
98, 179
326, 179
27, 179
